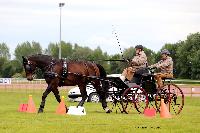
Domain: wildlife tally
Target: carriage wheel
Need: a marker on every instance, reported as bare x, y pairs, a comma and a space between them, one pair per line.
134, 97
114, 104
173, 98
152, 103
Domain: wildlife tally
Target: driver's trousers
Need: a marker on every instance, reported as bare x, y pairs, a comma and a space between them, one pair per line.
160, 76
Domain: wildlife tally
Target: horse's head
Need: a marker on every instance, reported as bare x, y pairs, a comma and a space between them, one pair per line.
29, 67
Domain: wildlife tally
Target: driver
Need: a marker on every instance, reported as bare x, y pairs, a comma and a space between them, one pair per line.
138, 62
166, 67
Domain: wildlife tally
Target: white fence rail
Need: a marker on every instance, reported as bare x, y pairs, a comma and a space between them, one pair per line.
23, 83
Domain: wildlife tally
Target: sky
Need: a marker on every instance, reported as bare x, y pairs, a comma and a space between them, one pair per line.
92, 23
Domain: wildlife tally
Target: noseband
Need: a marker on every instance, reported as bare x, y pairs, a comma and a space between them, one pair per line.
28, 67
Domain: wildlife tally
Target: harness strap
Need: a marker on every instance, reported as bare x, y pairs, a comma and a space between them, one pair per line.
65, 68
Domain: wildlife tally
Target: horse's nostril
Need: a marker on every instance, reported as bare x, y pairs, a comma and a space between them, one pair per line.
29, 78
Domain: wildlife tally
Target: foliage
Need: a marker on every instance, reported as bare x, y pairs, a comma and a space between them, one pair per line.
2, 62
17, 75
27, 48
4, 51
188, 57
10, 68
185, 54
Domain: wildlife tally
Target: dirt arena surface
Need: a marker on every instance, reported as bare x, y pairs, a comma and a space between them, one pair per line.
188, 90
29, 86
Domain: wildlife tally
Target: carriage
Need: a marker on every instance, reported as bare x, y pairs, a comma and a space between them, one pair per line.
127, 96
124, 96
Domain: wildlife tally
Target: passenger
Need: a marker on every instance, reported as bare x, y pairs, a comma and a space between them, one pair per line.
166, 68
137, 64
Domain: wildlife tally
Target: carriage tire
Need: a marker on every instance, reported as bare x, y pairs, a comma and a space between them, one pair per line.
134, 98
94, 97
173, 97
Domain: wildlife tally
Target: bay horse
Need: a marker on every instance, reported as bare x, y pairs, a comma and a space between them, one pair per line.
60, 72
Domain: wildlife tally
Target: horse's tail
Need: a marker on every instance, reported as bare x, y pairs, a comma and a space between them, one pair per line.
102, 71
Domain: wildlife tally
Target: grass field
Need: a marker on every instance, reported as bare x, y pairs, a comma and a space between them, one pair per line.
12, 121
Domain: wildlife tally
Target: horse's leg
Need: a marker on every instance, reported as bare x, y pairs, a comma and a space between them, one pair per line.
57, 95
83, 94
47, 91
102, 93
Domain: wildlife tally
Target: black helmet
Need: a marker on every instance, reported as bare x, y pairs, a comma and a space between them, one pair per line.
139, 47
165, 51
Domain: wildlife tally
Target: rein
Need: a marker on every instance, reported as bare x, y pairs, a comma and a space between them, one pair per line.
121, 60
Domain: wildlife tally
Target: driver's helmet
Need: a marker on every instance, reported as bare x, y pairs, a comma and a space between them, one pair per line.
165, 51
139, 47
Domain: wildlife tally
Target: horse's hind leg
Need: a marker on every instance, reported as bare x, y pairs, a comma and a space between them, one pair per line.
47, 91
83, 94
102, 93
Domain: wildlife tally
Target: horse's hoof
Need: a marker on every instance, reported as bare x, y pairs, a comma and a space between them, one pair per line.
40, 111
67, 110
107, 110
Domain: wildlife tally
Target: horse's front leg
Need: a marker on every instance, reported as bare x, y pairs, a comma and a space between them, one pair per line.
47, 91
83, 94
57, 96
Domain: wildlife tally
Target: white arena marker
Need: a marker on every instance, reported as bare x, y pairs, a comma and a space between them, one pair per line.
74, 110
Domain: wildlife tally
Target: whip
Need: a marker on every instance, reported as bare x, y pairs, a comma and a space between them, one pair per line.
117, 37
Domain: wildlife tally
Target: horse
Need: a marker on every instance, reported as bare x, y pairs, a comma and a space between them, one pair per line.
62, 72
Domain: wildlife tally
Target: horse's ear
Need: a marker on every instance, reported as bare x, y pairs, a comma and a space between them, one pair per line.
24, 59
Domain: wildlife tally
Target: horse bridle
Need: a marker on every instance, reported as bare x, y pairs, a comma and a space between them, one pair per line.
28, 66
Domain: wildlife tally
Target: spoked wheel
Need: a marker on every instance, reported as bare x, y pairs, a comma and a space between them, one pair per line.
173, 98
114, 104
134, 97
152, 99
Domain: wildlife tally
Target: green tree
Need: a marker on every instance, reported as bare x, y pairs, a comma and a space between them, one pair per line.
66, 50
4, 51
27, 48
82, 53
187, 57
2, 62
53, 50
115, 65
9, 68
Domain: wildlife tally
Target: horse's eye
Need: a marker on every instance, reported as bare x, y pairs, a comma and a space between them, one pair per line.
28, 68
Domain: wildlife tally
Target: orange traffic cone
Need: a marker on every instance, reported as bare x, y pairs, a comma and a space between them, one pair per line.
61, 107
164, 112
31, 106
150, 112
23, 107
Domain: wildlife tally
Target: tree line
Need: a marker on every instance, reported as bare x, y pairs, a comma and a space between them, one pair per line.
185, 54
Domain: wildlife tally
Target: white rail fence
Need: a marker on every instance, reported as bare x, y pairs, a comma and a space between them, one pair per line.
23, 83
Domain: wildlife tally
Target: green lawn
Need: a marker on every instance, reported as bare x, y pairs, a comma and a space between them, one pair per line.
12, 121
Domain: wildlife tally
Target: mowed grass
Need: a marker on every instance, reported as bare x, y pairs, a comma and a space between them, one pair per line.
96, 120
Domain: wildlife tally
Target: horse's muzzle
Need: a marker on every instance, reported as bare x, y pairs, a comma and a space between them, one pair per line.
29, 78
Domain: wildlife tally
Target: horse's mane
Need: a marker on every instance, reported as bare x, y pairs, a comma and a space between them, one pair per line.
42, 57
48, 58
